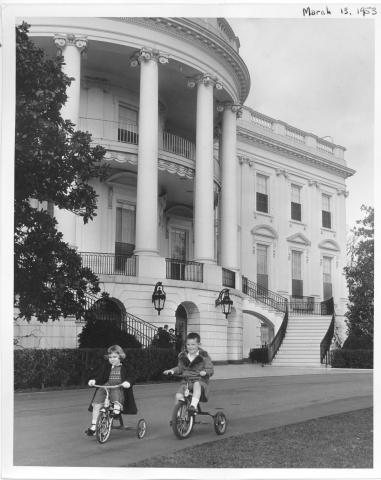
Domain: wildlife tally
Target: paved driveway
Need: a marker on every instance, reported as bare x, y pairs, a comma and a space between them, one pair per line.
49, 426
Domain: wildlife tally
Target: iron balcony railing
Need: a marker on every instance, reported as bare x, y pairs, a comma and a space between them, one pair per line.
228, 278
264, 295
109, 263
184, 270
308, 306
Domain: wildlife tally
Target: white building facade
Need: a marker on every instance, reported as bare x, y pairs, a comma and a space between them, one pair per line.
203, 193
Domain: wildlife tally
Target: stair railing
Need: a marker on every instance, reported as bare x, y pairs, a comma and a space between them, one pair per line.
325, 344
273, 347
264, 295
143, 331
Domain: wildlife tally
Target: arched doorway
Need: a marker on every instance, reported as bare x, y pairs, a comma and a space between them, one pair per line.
187, 320
107, 309
181, 327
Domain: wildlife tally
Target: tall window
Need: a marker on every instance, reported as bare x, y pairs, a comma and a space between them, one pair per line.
125, 229
262, 267
296, 207
127, 125
327, 278
179, 247
296, 274
326, 211
262, 194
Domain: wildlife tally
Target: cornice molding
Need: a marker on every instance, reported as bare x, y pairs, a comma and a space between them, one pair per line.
204, 39
295, 152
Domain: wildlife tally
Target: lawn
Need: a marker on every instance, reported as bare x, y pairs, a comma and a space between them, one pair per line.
336, 441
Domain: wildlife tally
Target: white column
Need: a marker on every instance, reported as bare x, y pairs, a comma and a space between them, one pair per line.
71, 47
229, 197
147, 184
203, 182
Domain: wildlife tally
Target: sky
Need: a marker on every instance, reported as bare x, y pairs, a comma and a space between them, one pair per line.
317, 75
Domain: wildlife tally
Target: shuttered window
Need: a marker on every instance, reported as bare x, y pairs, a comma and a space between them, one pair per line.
327, 277
262, 199
262, 266
125, 230
326, 211
296, 207
296, 273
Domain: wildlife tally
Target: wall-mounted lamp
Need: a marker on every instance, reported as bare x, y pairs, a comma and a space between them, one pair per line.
158, 297
225, 302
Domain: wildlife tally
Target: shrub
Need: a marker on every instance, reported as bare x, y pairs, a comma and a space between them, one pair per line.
358, 342
259, 355
34, 368
346, 358
102, 333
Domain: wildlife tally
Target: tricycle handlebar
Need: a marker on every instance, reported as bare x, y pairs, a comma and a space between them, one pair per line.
106, 387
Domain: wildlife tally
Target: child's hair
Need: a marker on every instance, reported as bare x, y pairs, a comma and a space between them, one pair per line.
116, 349
194, 336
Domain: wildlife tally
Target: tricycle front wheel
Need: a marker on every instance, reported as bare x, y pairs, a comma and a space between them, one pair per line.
182, 422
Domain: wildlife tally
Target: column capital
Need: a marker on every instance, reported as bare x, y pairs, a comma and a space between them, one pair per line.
234, 107
280, 171
63, 40
314, 183
206, 79
245, 160
146, 54
343, 192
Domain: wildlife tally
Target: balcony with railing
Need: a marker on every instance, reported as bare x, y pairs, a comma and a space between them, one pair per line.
308, 306
128, 133
184, 270
179, 145
109, 263
275, 128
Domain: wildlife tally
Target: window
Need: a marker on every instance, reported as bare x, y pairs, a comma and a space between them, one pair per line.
179, 247
50, 208
296, 274
262, 270
327, 278
296, 207
127, 125
262, 195
326, 211
125, 231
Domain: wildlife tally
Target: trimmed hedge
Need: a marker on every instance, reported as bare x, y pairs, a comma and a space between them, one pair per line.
346, 358
35, 368
259, 355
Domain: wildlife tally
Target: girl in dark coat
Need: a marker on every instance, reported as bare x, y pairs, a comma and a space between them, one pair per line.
113, 373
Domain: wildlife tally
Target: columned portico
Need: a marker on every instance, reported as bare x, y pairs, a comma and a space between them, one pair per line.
229, 220
203, 188
71, 47
147, 182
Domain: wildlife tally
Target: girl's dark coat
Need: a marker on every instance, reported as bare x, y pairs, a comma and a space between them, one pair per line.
129, 405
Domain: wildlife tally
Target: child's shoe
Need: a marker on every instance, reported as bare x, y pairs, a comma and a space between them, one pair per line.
90, 432
192, 410
116, 412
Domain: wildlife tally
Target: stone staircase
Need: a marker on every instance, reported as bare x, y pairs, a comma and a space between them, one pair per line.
301, 344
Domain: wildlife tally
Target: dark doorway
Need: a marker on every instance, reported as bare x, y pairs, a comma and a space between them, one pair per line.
181, 327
